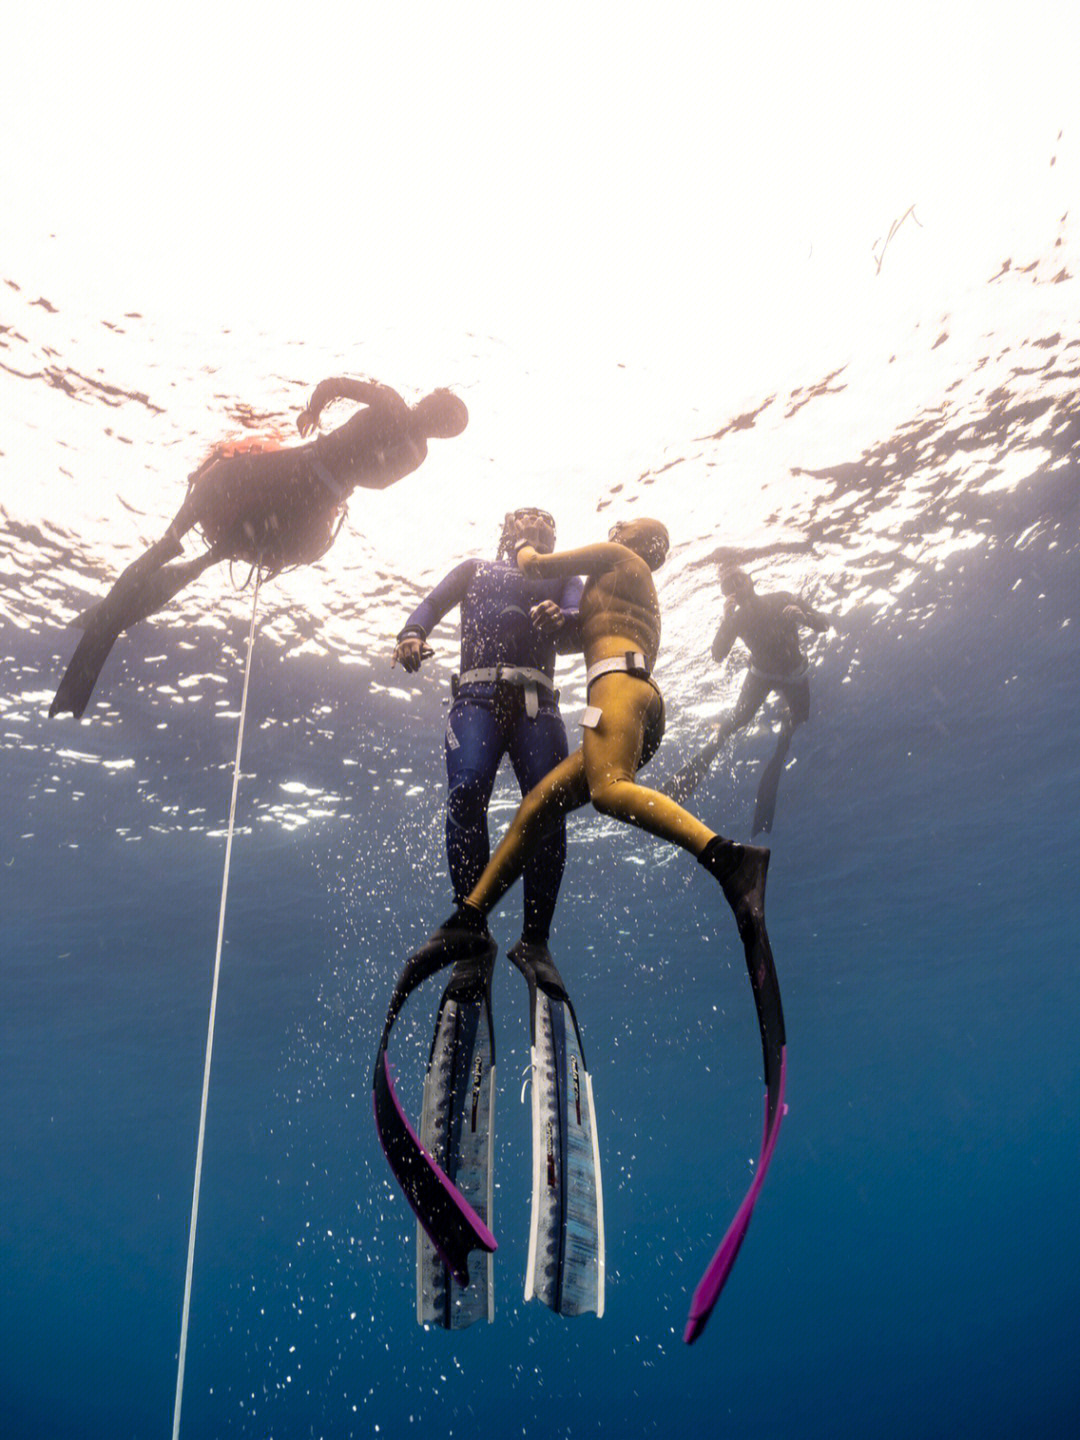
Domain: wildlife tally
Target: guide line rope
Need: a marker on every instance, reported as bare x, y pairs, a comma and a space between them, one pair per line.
210, 1026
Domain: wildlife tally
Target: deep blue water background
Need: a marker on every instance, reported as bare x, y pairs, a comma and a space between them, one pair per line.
913, 1264
913, 1267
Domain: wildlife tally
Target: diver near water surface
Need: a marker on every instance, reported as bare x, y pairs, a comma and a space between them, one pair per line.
270, 507
768, 625
623, 725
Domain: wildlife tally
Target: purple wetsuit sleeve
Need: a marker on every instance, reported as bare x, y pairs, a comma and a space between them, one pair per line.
449, 592
569, 637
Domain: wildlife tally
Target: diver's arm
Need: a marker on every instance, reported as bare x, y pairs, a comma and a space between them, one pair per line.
815, 619
586, 560
343, 387
725, 636
412, 648
800, 613
449, 592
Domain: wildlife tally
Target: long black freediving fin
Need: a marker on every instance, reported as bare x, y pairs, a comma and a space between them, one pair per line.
765, 804
122, 606
566, 1236
749, 907
687, 780
457, 1131
451, 1222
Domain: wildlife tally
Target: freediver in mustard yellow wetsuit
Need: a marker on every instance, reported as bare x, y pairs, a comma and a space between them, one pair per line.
624, 722
274, 508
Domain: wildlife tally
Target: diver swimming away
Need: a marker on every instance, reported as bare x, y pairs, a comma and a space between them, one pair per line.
768, 625
624, 723
272, 508
504, 703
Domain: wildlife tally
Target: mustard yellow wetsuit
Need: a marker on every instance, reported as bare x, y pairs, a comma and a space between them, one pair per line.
620, 625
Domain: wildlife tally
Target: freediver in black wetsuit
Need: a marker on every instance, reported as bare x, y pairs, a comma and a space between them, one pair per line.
768, 625
274, 508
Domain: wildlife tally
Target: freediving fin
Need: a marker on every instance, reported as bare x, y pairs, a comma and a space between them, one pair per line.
744, 888
566, 1236
765, 804
454, 1227
102, 623
687, 780
457, 1131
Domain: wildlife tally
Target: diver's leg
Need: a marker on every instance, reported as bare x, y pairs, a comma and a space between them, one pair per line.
751, 697
562, 790
796, 698
158, 588
132, 597
612, 754
536, 746
474, 747
687, 779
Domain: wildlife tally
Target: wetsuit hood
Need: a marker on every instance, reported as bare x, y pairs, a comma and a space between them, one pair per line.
647, 538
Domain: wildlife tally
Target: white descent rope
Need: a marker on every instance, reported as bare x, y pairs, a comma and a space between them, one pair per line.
210, 1025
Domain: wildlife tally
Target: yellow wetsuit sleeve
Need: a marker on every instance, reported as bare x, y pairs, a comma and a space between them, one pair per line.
586, 560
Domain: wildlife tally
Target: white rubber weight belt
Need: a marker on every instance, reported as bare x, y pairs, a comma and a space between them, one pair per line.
788, 676
531, 681
631, 662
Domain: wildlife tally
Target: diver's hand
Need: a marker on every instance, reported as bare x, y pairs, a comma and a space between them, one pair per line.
306, 422
548, 618
795, 614
409, 653
730, 606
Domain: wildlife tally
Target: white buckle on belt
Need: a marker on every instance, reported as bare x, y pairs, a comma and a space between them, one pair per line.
531, 681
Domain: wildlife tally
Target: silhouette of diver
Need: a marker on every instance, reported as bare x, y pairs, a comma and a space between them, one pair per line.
624, 723
274, 508
768, 625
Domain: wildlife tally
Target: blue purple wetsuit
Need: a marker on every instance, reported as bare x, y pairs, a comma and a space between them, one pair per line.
505, 703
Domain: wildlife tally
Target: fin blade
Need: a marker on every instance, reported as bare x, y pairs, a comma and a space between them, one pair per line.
566, 1241
457, 1130
451, 1222
686, 780
769, 784
715, 1277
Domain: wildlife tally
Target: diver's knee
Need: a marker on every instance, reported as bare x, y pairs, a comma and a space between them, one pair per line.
607, 799
466, 804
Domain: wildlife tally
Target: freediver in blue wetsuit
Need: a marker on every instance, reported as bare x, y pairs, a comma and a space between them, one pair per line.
505, 702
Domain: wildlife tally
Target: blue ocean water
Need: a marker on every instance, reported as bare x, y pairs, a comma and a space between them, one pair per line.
912, 1268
